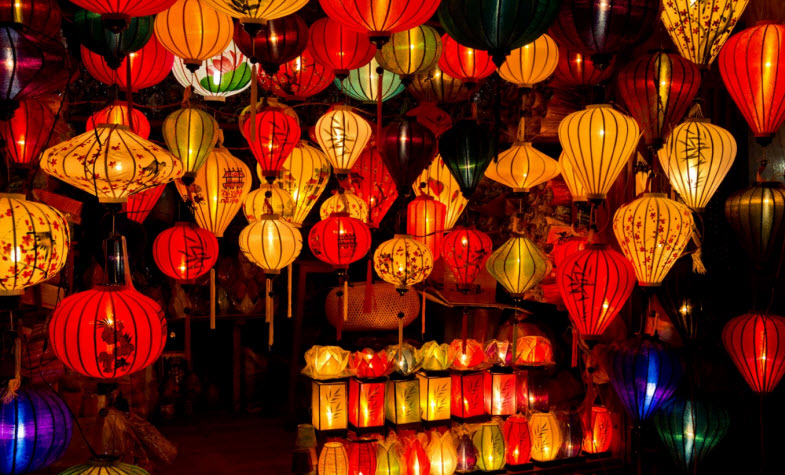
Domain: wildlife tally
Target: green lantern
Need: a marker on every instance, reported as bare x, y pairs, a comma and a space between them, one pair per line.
388, 457
467, 149
489, 443
191, 135
411, 52
113, 47
362, 83
691, 429
402, 401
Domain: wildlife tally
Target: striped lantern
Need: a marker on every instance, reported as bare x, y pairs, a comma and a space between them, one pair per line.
185, 252
379, 18
27, 132
574, 184
403, 262
139, 205
105, 465
756, 343
272, 137
191, 134
531, 63
406, 147
465, 251
254, 14
436, 86
149, 66
298, 79
345, 201
280, 41
690, 429
268, 199
338, 47
437, 181
757, 216
342, 135
271, 243
117, 114
411, 52
575, 69
522, 167
518, 265
464, 63
425, 223
304, 176
43, 16
362, 84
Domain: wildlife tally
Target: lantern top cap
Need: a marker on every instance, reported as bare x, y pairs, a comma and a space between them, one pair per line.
769, 184
13, 196
340, 214
654, 195
402, 236
333, 444
270, 217
599, 106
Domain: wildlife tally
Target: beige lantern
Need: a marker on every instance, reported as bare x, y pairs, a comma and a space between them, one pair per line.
304, 175
531, 63
522, 167
191, 135
268, 199
575, 186
271, 243
518, 265
345, 201
403, 262
437, 181
442, 453
342, 135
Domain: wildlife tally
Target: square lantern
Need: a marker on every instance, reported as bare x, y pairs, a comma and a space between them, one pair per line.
467, 394
402, 401
329, 408
435, 396
500, 393
366, 403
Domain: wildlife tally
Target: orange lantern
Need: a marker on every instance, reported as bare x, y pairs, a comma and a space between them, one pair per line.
185, 252
27, 133
425, 223
117, 114
598, 434
516, 434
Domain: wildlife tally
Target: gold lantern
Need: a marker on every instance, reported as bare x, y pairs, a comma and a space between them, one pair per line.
111, 162
403, 262
518, 265
522, 167
342, 135
489, 442
402, 401
326, 362
271, 243
653, 231
597, 143
435, 356
268, 199
255, 12
411, 52
326, 365
435, 86
345, 201
531, 63
545, 435
218, 191
304, 175
437, 181
333, 460
191, 135
435, 393
389, 457
442, 453
575, 186
34, 238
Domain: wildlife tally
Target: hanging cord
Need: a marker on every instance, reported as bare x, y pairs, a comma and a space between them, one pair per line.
16, 382
762, 435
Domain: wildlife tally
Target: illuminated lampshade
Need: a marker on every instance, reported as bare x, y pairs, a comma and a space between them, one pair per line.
466, 355
516, 435
225, 74
338, 47
273, 139
425, 223
27, 133
411, 52
467, 455
271, 243
696, 157
518, 265
435, 393
105, 464
500, 392
667, 228
406, 359
687, 299
439, 183
304, 175
218, 191
329, 402
442, 453
464, 63
594, 284
435, 356
522, 167
389, 458
498, 353
298, 79
402, 405
597, 143
490, 445
366, 400
658, 88
119, 163
574, 184
369, 364
546, 436
700, 41
362, 456
379, 18
114, 47
566, 246
185, 252
690, 429
149, 66
531, 63
344, 202
362, 83
467, 149
117, 14
465, 251
339, 240
139, 205
268, 199
576, 69
190, 134
280, 41
644, 373
342, 135
36, 430
43, 16
572, 434
193, 31
373, 183
403, 262
598, 436
333, 460
406, 147
254, 15
117, 114
416, 458
754, 343
266, 104
435, 86
757, 216
533, 350
326, 362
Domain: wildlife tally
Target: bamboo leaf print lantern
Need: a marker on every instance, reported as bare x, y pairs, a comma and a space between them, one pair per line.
118, 114
546, 436
531, 63
435, 393
652, 232
757, 216
342, 135
185, 252
690, 429
268, 199
272, 137
304, 176
333, 460
366, 390
326, 365
223, 75
598, 433
27, 132
338, 47
380, 18
111, 163
403, 262
442, 453
522, 167
298, 79
402, 406
500, 392
436, 86
411, 52
437, 181
465, 251
754, 342
574, 184
373, 183
105, 464
516, 435
518, 265
490, 445
467, 149
344, 201
139, 205
362, 84
191, 135
148, 67
280, 41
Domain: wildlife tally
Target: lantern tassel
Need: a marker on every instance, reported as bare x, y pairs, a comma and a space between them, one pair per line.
368, 302
16, 382
289, 291
697, 263
212, 299
269, 309
574, 361
345, 299
515, 339
254, 98
424, 294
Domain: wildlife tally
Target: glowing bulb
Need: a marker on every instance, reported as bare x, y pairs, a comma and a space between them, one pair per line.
216, 77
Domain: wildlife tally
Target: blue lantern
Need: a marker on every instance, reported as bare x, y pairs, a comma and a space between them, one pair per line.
690, 429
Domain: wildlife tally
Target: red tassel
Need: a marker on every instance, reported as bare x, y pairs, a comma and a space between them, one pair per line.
574, 347
368, 302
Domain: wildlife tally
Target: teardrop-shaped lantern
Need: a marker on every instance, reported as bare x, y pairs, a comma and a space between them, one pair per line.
757, 216
185, 252
43, 16
344, 202
280, 41
518, 265
268, 199
435, 86
437, 181
566, 246
411, 52
531, 63
465, 251
339, 240
117, 114
379, 18
755, 343
271, 243
149, 66
522, 167
139, 205
191, 134
273, 139
690, 429
686, 298
114, 47
577, 69
574, 183
342, 135
464, 63
224, 75
373, 183
362, 83
425, 223
406, 147
27, 133
304, 175
403, 262
298, 79
338, 47
467, 149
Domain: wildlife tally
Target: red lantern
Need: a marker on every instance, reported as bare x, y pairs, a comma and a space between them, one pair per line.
340, 240
425, 222
366, 402
658, 89
149, 66
42, 16
752, 66
118, 114
185, 251
594, 284
27, 133
464, 63
369, 364
380, 18
277, 133
598, 433
416, 457
372, 182
516, 436
467, 398
117, 13
280, 41
139, 205
577, 69
298, 79
362, 457
564, 247
465, 251
339, 48
406, 148
756, 344
466, 355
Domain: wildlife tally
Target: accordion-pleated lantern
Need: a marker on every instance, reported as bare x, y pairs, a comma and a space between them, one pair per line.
384, 309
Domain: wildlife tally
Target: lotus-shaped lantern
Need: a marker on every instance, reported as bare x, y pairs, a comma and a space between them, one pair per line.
534, 351
466, 356
498, 353
369, 364
435, 356
326, 362
405, 358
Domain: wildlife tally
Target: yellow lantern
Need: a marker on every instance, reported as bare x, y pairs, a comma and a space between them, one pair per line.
435, 86
271, 243
489, 443
442, 453
437, 181
652, 232
696, 157
304, 175
435, 393
218, 191
191, 135
326, 362
500, 391
575, 186
518, 265
402, 401
411, 52
268, 199
531, 63
34, 238
403, 262
111, 162
333, 460
545, 435
435, 356
598, 142
253, 14
345, 201
522, 167
342, 135
388, 457
193, 31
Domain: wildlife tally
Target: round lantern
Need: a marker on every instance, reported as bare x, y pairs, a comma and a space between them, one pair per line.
467, 149
116, 15
406, 148
224, 75
490, 445
497, 26
117, 114
271, 243
566, 246
149, 66
379, 18
113, 47
467, 64
594, 284
425, 222
105, 465
598, 142
574, 184
139, 205
696, 157
191, 30
700, 41
644, 373
338, 47
434, 85
658, 88
298, 79
344, 201
752, 64
437, 181
342, 135
191, 134
403, 262
757, 216
411, 52
339, 240
218, 191
333, 460
255, 15
516, 435
185, 252
576, 69
362, 456
373, 183
442, 453
304, 176
598, 435
36, 430
754, 342
118, 164
272, 140
280, 41
362, 83
27, 132
518, 265
531, 63
690, 429
266, 104
653, 231
545, 434
465, 251
522, 167
268, 199
43, 16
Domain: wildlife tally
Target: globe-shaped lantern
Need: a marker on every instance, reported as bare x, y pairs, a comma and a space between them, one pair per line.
690, 429
27, 132
757, 216
304, 176
437, 181
577, 69
224, 75
268, 199
254, 15
280, 41
467, 149
465, 251
185, 252
425, 222
271, 243
516, 435
373, 183
340, 240
116, 15
338, 47
411, 52
406, 148
491, 447
149, 66
298, 79
139, 205
434, 85
464, 63
114, 47
754, 342
191, 134
566, 246
346, 202
266, 104
518, 265
403, 262
531, 63
362, 83
574, 184
117, 114
379, 18
522, 167
272, 138
105, 465
43, 16
342, 135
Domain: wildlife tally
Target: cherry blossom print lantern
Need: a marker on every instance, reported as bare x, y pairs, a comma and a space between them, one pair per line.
465, 251
224, 75
403, 262
298, 79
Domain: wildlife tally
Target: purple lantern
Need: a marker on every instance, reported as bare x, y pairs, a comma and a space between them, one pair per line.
467, 455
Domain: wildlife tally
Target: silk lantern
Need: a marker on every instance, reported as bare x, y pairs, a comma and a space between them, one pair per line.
362, 84
687, 299
304, 176
437, 181
118, 114
416, 457
467, 64
652, 232
224, 75
658, 88
389, 457
333, 460
272, 137
406, 148
342, 135
574, 184
466, 355
43, 16
435, 393
572, 433
575, 69
362, 456
27, 132
373, 183
700, 29
518, 265
425, 223
114, 47
546, 436
338, 47
105, 464
148, 67
597, 143
191, 134
268, 199
435, 86
594, 285
518, 442
465, 251
298, 79
117, 14
467, 149
566, 246
254, 16
436, 357
281, 40
754, 343
442, 453
402, 402
468, 390
271, 243
379, 19
757, 216
403, 262
139, 205
411, 52
490, 445
531, 63
185, 252
467, 455
345, 201
690, 429
339, 240
598, 434
498, 353
522, 167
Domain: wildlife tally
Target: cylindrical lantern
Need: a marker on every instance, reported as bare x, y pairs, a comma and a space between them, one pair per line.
531, 63
402, 401
572, 180
425, 223
281, 40
576, 69
338, 47
757, 216
333, 460
298, 79
403, 262
435, 86
272, 140
491, 447
268, 199
379, 18
437, 181
185, 252
362, 83
546, 436
373, 183
467, 64
500, 393
148, 66
690, 429
598, 436
467, 149
442, 453
339, 240
522, 167
518, 265
271, 243
572, 434
27, 133
406, 147
362, 456
114, 47
43, 16
516, 436
342, 135
304, 176
344, 202
105, 465
117, 114
191, 135
411, 52
465, 251
223, 75
139, 205
754, 342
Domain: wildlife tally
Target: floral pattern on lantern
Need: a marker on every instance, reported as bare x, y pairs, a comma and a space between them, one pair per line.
304, 175
518, 442
298, 79
518, 265
223, 75
522, 167
366, 403
531, 63
465, 251
468, 394
598, 435
344, 202
754, 342
439, 183
403, 262
546, 436
27, 132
